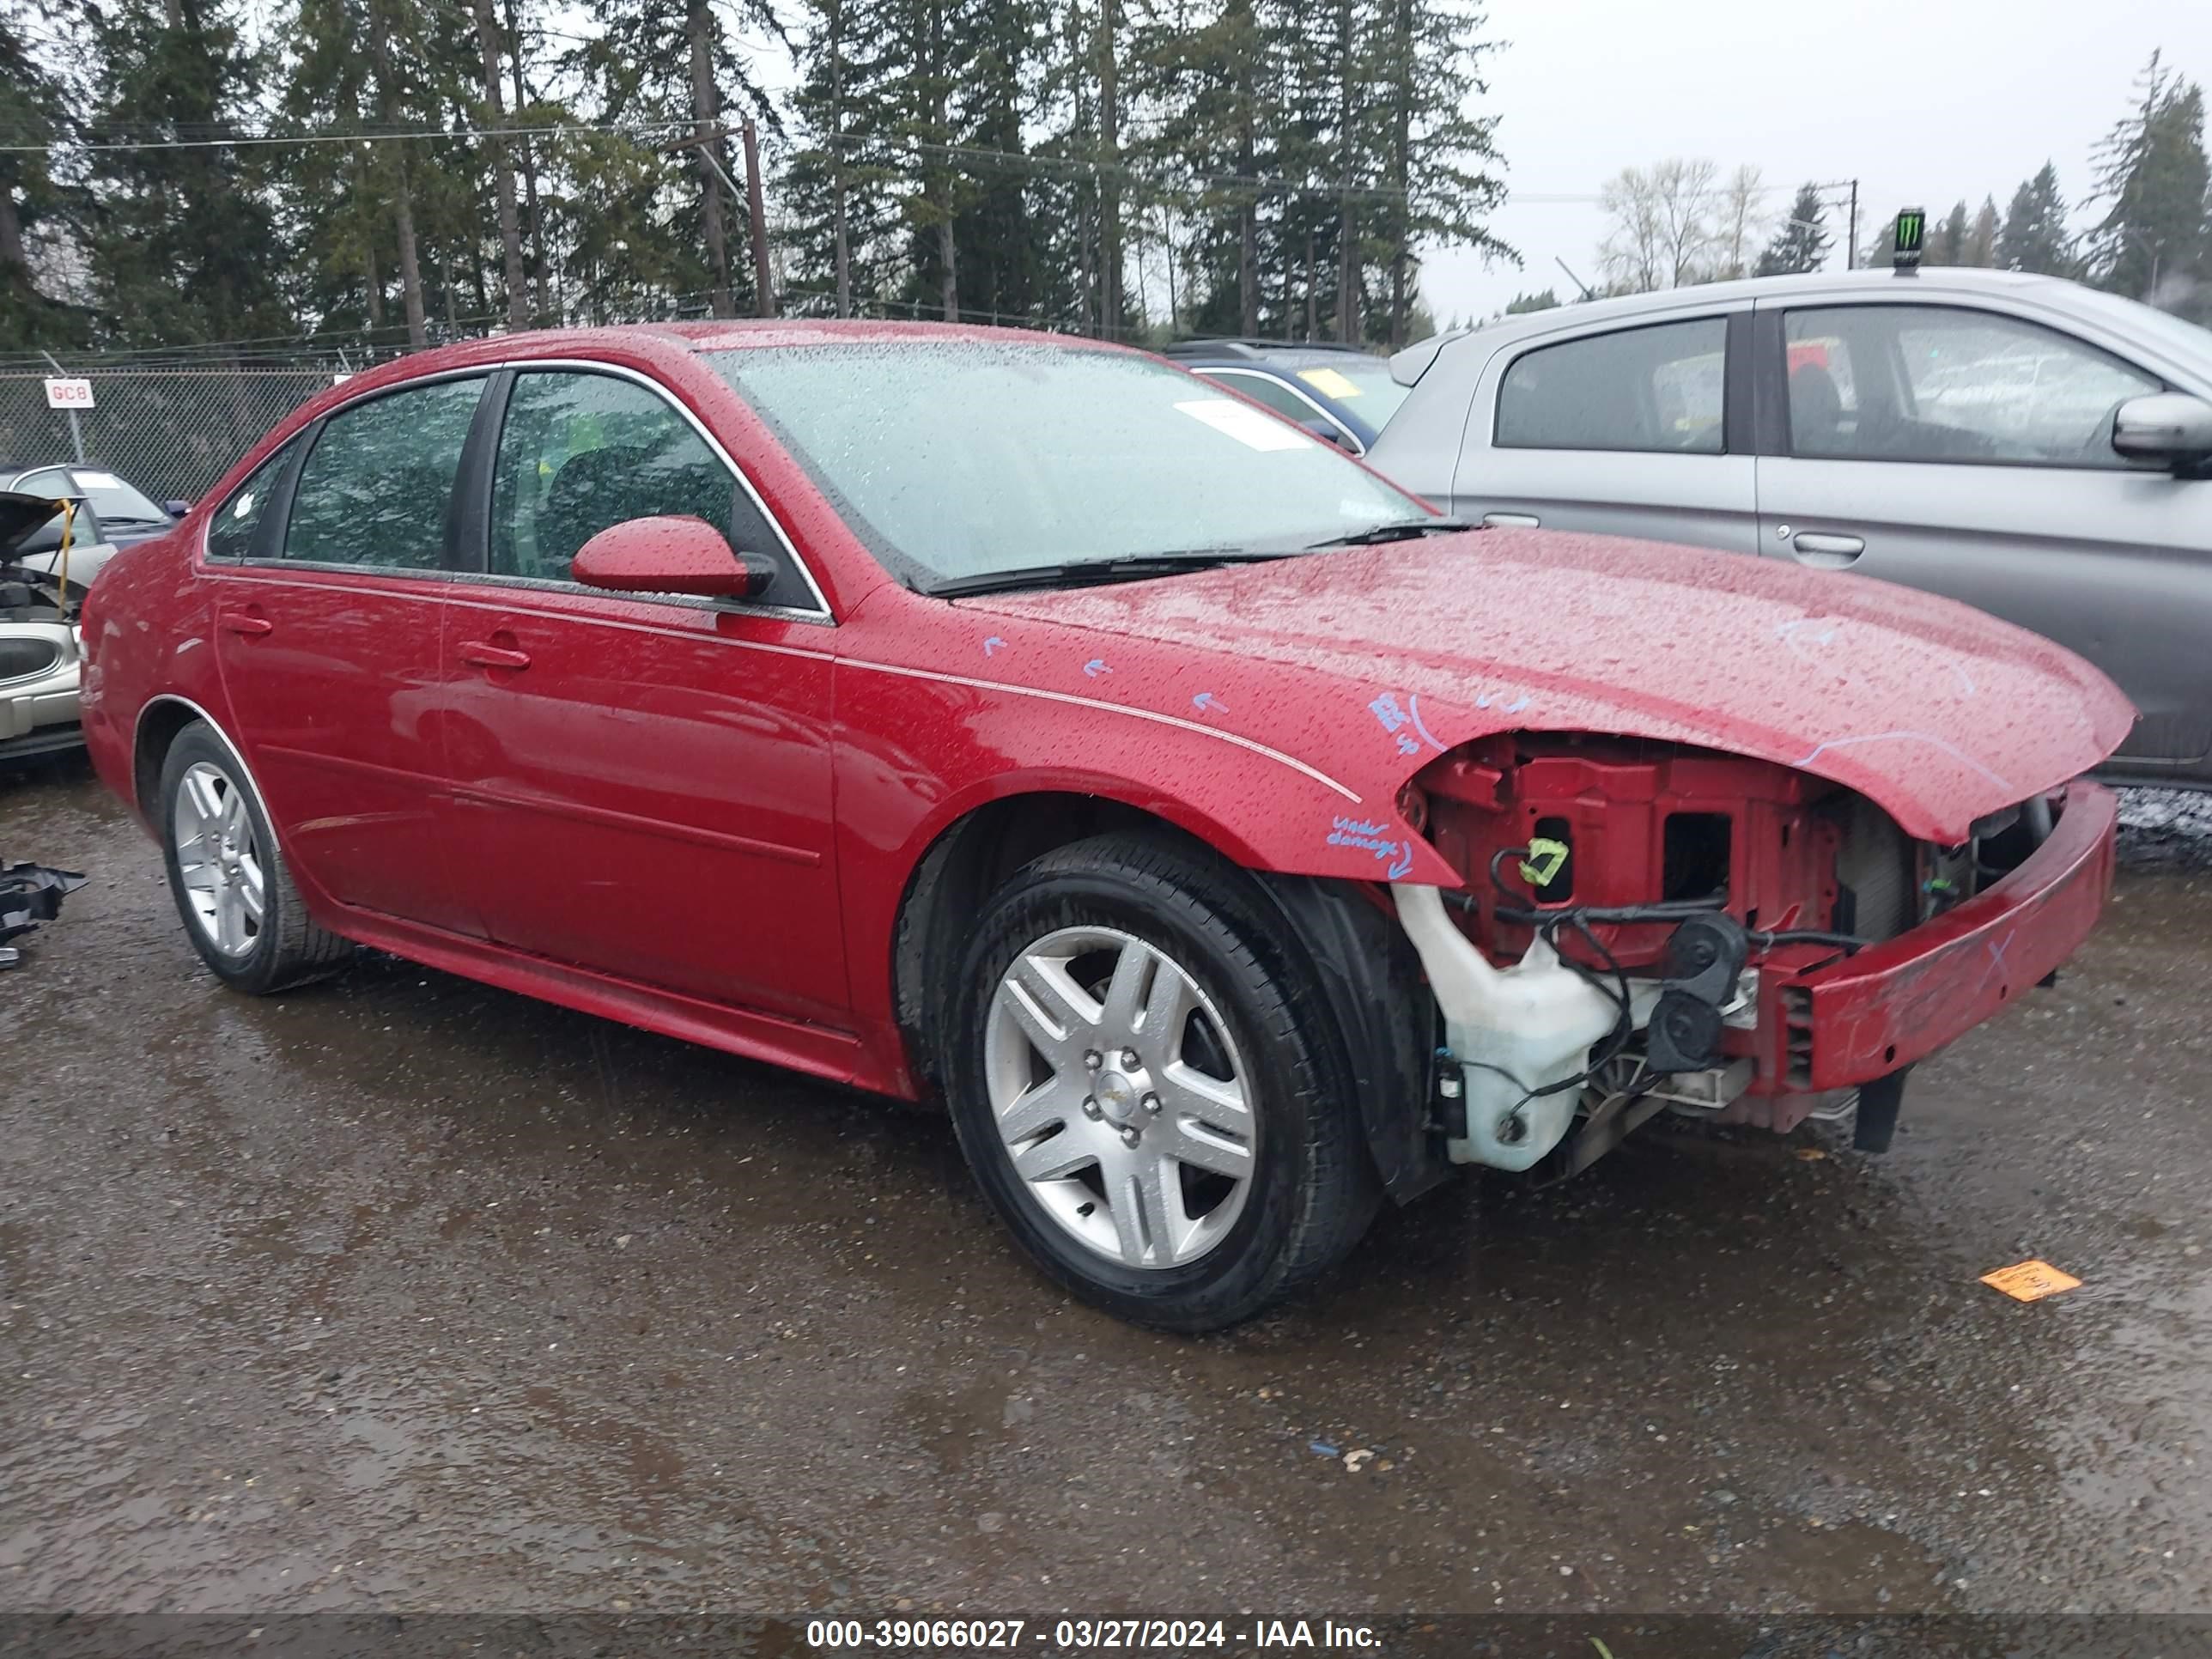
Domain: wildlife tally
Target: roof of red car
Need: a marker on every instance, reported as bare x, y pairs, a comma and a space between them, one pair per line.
701, 334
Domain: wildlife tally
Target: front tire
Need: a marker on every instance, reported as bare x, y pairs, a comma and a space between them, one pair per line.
1150, 1087
232, 887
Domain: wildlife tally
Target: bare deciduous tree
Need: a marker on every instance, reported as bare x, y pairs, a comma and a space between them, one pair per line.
1660, 225
1741, 223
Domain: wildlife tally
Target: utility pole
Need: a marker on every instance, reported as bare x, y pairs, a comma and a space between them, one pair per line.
704, 143
1852, 234
763, 291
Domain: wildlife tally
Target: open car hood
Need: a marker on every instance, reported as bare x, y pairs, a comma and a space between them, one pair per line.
21, 516
1940, 714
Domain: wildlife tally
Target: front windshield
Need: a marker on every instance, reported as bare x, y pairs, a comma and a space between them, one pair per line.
956, 459
1362, 385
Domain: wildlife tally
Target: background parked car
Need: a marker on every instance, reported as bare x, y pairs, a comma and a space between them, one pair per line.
1339, 392
40, 665
2031, 446
126, 513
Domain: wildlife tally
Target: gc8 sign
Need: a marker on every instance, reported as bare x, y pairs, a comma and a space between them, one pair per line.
68, 394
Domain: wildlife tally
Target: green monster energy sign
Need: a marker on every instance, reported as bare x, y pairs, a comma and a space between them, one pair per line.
1912, 229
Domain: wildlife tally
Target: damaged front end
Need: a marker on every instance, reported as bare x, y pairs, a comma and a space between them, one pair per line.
45, 570
1645, 927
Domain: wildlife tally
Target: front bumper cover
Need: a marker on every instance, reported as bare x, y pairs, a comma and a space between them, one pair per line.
1901, 1000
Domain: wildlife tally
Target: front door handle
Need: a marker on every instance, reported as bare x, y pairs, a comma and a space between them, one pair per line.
1511, 521
482, 653
246, 623
1828, 550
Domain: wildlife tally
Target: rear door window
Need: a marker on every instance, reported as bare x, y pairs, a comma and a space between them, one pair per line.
377, 488
1659, 388
235, 531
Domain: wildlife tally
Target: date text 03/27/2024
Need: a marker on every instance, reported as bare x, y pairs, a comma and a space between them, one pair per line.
1083, 1635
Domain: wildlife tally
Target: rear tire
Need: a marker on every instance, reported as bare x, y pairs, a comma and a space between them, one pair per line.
232, 889
1150, 1086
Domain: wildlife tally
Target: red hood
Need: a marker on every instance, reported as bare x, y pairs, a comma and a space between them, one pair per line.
1936, 711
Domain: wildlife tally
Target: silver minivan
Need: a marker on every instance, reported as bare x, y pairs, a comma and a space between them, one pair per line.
2037, 449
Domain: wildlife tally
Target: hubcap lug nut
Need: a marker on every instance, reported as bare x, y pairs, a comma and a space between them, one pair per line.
1129, 1060
1130, 1136
1094, 1060
1151, 1102
1090, 1106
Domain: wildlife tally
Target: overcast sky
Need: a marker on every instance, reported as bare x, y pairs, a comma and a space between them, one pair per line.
1923, 101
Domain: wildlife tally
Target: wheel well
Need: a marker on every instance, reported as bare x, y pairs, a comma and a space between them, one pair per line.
963, 868
157, 729
1360, 959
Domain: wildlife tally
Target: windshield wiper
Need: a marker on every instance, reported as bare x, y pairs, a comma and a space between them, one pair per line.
1090, 573
1399, 530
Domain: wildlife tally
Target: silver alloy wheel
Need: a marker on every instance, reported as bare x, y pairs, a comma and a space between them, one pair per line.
1121, 1097
218, 859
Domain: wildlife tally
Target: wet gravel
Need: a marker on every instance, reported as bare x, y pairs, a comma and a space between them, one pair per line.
402, 1293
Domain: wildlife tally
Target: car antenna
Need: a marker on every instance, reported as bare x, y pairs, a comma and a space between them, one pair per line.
1571, 277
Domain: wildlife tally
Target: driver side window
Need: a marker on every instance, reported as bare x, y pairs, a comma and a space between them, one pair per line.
579, 453
1944, 383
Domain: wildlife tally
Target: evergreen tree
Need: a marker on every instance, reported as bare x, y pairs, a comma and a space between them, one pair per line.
838, 190
1947, 242
2153, 174
1544, 300
1439, 179
182, 240
34, 205
1802, 244
667, 63
1981, 248
2033, 237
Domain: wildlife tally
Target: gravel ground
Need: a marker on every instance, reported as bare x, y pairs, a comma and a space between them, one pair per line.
399, 1294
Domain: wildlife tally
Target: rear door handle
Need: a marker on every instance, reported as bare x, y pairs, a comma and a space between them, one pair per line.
1829, 549
1511, 521
485, 655
244, 622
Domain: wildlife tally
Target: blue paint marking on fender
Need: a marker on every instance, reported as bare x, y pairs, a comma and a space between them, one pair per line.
1371, 836
1207, 704
993, 645
1097, 666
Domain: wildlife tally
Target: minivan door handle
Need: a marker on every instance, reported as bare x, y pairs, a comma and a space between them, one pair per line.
1511, 521
1830, 551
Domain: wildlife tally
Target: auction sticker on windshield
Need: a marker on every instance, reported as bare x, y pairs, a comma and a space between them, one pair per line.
1249, 426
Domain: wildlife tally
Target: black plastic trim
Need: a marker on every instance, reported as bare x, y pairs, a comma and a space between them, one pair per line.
1369, 975
468, 509
1737, 399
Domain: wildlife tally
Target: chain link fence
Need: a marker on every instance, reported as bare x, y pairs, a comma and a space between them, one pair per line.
173, 432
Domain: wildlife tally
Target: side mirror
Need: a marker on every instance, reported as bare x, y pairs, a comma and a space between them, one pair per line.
176, 509
669, 556
1329, 432
2168, 428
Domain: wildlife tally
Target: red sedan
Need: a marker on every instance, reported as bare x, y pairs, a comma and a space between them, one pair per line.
1227, 840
